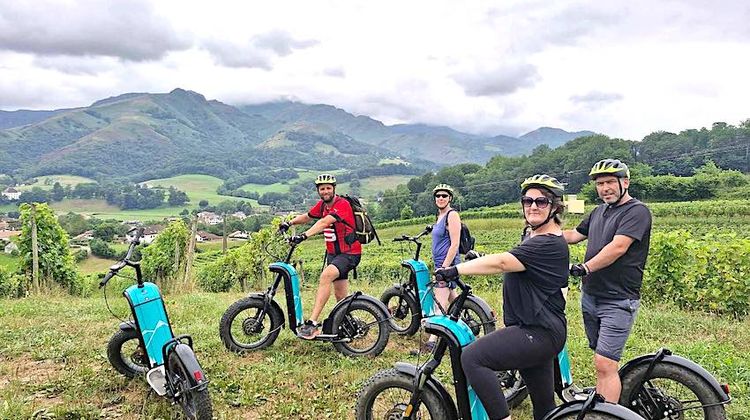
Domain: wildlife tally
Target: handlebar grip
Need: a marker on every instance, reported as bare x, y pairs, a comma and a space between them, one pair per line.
106, 279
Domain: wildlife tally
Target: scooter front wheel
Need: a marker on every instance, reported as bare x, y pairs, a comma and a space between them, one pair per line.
195, 402
126, 353
250, 324
365, 327
405, 312
386, 396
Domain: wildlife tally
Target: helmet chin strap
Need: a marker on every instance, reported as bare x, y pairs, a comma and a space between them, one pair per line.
623, 191
535, 227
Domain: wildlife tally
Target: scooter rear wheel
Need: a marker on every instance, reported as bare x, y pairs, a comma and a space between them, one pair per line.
126, 354
246, 326
672, 389
366, 326
195, 403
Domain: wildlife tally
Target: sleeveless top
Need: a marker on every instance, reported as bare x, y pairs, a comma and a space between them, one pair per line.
441, 242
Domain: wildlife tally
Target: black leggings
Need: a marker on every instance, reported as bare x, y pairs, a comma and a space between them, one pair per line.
531, 350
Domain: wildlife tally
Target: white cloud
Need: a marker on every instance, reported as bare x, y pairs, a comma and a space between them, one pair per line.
624, 69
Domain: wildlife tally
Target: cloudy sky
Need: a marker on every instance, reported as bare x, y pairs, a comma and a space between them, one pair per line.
490, 67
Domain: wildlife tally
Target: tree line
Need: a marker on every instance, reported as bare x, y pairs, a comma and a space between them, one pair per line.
691, 165
123, 195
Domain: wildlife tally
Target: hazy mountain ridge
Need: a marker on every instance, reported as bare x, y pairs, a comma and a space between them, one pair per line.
136, 134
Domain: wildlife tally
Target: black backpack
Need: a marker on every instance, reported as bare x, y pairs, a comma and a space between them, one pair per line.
466, 241
363, 227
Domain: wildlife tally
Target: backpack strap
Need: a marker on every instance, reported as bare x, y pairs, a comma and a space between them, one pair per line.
446, 221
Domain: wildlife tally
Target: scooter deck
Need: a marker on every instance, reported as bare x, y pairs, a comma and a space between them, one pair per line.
329, 337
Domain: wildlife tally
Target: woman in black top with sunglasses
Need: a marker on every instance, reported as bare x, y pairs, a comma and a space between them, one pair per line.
533, 304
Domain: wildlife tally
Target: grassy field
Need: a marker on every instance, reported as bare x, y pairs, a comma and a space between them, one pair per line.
370, 186
46, 182
102, 210
9, 262
304, 176
197, 187
53, 360
53, 347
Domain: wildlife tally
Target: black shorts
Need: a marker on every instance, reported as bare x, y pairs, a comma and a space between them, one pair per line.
344, 262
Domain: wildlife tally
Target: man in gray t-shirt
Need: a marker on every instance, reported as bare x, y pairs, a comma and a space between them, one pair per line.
618, 234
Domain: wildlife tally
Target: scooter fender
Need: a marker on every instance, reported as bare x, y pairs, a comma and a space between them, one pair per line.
484, 305
573, 408
681, 362
126, 326
341, 305
187, 357
433, 384
274, 305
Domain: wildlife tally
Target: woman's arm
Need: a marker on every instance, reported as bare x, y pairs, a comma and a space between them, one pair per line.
454, 231
492, 264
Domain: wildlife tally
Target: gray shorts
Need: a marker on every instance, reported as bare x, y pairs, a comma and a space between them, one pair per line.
608, 323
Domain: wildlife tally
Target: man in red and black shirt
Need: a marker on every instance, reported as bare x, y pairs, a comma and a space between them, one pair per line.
335, 218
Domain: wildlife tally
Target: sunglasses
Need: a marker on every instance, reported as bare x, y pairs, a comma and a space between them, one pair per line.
442, 195
541, 202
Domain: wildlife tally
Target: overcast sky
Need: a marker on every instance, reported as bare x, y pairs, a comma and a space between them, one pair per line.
623, 68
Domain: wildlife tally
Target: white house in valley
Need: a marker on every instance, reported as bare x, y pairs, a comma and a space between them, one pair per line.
11, 193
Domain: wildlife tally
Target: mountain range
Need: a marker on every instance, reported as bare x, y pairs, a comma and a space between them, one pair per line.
144, 135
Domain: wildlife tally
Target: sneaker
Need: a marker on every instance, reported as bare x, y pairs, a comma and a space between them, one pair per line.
309, 330
425, 348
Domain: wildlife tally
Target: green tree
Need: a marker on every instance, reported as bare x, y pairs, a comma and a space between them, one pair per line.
406, 212
56, 264
105, 231
36, 195
58, 192
73, 223
177, 197
100, 248
160, 256
203, 204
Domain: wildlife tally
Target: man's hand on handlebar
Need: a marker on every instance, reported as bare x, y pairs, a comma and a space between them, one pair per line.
297, 239
284, 226
579, 270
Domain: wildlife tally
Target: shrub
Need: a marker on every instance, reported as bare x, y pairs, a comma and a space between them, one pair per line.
12, 285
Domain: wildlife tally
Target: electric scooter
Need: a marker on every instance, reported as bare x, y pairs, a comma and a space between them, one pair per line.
411, 301
414, 392
147, 345
357, 326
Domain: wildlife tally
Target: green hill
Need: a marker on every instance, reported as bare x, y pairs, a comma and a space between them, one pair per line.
142, 136
437, 144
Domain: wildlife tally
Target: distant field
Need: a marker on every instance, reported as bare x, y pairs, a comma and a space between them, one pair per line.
305, 175
395, 161
102, 210
370, 186
197, 187
46, 182
94, 264
262, 188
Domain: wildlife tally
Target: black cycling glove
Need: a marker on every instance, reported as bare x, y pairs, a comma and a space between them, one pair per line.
446, 274
297, 239
284, 226
579, 270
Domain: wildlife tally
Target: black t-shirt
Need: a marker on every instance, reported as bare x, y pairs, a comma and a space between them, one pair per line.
533, 297
623, 278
